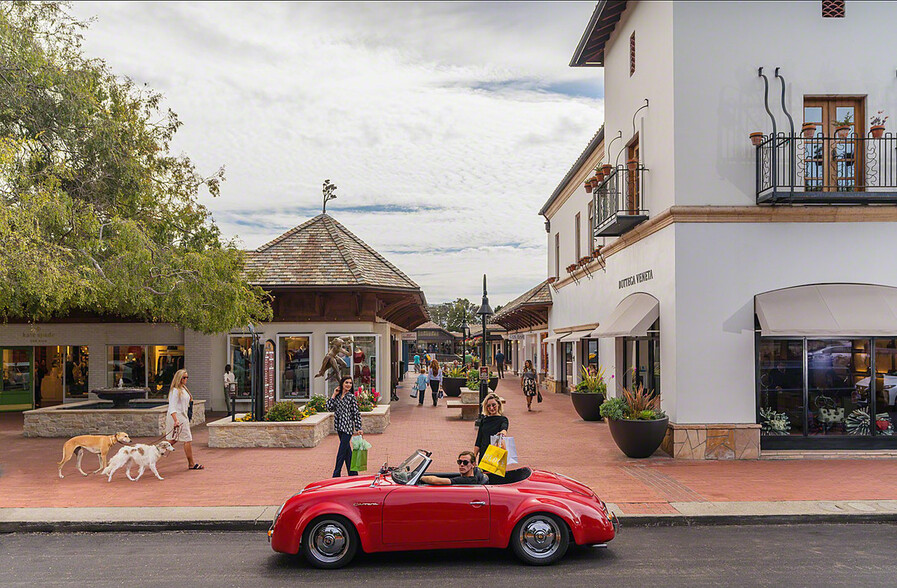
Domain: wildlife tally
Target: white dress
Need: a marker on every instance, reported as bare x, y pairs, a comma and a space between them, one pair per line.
178, 401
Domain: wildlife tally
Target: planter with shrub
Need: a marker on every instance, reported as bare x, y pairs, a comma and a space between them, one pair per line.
589, 394
636, 422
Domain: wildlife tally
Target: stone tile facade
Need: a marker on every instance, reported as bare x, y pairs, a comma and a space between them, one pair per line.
72, 421
305, 433
712, 441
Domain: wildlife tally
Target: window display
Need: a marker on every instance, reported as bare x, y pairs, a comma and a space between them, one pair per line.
294, 366
76, 371
239, 357
126, 366
781, 387
360, 357
164, 361
15, 389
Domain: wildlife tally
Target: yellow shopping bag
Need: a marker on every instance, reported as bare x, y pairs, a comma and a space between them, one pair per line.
495, 460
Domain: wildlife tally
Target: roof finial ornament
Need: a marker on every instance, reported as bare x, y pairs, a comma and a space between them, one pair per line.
329, 190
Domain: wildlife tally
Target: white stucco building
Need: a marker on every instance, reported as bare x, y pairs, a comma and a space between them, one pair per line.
749, 285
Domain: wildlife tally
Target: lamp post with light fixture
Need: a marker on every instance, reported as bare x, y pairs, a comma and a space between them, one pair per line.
484, 312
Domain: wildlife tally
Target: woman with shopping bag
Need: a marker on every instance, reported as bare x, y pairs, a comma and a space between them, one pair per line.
346, 420
494, 423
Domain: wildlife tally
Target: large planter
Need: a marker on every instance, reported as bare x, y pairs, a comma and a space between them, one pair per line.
452, 386
493, 383
638, 439
587, 405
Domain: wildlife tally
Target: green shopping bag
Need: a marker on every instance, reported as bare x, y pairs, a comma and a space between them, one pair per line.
359, 460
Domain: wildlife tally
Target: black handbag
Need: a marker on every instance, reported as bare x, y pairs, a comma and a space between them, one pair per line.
539, 395
190, 411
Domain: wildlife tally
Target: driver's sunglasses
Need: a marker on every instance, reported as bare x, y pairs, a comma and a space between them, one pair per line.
463, 462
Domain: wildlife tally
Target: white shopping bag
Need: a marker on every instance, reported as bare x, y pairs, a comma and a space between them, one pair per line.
506, 443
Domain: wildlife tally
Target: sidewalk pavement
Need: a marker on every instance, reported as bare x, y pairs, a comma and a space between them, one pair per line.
241, 488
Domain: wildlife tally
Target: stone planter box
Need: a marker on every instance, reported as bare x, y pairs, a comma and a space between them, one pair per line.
84, 418
305, 433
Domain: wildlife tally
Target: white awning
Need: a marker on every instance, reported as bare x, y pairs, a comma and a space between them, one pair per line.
838, 310
631, 318
553, 338
576, 335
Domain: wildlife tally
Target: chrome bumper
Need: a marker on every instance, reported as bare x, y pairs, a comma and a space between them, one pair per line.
614, 521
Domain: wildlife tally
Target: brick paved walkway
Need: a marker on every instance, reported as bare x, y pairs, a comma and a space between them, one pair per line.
554, 438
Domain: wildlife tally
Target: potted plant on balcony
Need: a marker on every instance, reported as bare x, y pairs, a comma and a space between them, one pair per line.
843, 126
632, 164
606, 169
877, 124
589, 394
571, 268
636, 422
808, 129
584, 260
452, 381
588, 185
756, 138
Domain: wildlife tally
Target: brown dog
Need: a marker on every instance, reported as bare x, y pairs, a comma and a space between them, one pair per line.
99, 444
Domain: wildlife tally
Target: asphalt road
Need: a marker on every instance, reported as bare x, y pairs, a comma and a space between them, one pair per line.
787, 555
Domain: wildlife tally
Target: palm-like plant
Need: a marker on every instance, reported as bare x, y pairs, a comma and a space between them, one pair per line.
591, 382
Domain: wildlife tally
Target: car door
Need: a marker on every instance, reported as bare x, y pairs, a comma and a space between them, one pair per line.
436, 514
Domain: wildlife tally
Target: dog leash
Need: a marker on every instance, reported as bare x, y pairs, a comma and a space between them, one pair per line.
175, 430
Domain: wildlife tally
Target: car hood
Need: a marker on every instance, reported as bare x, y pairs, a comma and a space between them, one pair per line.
339, 484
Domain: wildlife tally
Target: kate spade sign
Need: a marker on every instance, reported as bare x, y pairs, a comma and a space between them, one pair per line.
636, 279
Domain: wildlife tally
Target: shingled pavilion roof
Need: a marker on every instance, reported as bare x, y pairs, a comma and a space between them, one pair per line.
323, 255
528, 310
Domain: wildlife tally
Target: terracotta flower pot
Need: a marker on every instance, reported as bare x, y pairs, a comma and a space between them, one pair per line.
606, 169
632, 164
756, 139
600, 177
877, 131
588, 186
808, 130
842, 131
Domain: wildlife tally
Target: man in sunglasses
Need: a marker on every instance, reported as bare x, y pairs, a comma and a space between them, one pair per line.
469, 473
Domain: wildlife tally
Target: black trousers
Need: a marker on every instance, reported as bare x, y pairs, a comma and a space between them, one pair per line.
434, 386
501, 369
343, 454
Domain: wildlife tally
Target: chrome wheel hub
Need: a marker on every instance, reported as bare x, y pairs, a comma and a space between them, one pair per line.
329, 541
539, 537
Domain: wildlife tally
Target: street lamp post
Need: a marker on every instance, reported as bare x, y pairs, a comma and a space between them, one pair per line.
465, 333
255, 370
484, 312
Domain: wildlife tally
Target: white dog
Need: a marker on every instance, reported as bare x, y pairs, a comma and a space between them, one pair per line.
145, 456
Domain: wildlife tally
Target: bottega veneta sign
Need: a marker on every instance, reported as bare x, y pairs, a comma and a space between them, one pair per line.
636, 279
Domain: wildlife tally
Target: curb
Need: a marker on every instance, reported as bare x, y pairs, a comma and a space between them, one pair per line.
638, 521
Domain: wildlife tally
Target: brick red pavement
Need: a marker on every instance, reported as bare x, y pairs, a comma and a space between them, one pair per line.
554, 438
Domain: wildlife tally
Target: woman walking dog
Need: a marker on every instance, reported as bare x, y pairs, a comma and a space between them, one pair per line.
177, 421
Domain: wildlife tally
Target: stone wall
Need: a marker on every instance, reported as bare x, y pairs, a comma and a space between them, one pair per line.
69, 422
305, 433
712, 441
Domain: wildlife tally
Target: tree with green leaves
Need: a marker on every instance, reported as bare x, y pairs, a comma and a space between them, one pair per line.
450, 315
96, 214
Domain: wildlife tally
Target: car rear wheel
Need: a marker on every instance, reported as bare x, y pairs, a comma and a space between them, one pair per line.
540, 539
329, 542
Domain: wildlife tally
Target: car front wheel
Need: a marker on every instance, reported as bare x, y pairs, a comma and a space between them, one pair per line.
329, 542
540, 539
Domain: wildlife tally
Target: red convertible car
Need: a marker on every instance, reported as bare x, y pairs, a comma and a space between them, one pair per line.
537, 513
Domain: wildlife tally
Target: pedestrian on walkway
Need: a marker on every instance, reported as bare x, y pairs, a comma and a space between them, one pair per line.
346, 421
177, 423
529, 383
417, 363
494, 423
500, 363
420, 387
434, 374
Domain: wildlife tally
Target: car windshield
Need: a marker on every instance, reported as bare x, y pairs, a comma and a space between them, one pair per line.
405, 472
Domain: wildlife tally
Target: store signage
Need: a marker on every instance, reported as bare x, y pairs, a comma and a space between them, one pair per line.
636, 279
409, 336
516, 337
37, 335
484, 372
269, 380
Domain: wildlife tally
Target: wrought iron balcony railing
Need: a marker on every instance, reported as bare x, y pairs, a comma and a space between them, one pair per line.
617, 202
826, 170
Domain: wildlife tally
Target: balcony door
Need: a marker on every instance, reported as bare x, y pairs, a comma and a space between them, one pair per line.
833, 164
633, 191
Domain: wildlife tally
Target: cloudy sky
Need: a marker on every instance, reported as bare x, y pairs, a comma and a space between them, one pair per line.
445, 126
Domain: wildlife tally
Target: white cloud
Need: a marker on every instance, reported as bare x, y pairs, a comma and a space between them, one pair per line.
454, 120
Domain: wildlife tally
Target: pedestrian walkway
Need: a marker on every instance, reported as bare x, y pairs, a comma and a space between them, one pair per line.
552, 438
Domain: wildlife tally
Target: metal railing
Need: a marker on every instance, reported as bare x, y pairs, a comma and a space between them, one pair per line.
619, 195
826, 170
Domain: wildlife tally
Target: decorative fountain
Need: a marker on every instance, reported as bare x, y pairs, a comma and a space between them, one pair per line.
120, 397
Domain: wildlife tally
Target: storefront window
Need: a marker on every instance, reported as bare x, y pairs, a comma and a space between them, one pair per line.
641, 360
543, 347
567, 358
361, 360
49, 369
590, 353
885, 385
126, 365
781, 387
15, 389
837, 406
164, 361
76, 371
294, 366
239, 358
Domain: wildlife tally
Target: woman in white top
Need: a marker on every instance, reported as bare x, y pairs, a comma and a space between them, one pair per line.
176, 421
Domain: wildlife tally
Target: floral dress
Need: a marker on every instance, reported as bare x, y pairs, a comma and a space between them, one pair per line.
529, 383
